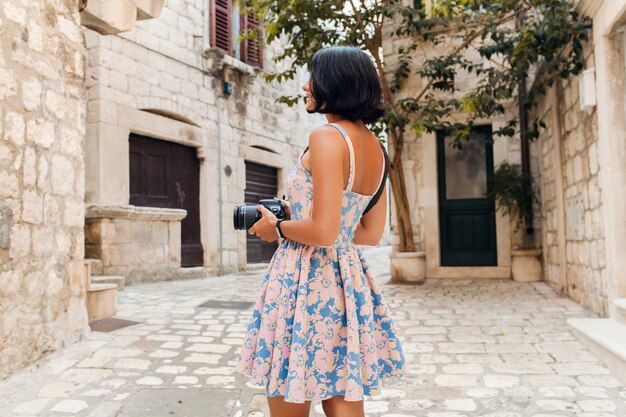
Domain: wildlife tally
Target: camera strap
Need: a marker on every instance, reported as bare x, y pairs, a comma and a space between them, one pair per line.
383, 182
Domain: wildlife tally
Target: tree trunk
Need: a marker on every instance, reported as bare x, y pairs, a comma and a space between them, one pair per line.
398, 187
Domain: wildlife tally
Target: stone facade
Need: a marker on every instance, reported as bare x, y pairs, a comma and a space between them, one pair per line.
163, 80
579, 165
419, 160
573, 233
42, 125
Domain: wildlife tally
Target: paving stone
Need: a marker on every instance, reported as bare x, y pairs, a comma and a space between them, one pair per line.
149, 380
499, 381
31, 407
459, 404
70, 406
558, 392
462, 369
456, 380
185, 379
58, 390
132, 363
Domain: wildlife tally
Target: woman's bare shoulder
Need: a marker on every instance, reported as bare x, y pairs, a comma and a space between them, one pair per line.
325, 138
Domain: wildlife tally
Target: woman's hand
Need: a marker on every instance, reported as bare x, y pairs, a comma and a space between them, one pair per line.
265, 228
287, 208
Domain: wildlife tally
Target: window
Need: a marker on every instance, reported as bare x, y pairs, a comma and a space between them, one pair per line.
251, 52
221, 25
226, 23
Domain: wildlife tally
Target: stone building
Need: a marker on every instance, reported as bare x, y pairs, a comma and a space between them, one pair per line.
457, 232
165, 133
117, 123
579, 165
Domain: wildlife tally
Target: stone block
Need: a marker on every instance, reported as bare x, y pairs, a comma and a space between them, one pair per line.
57, 104
149, 9
42, 178
32, 207
62, 171
108, 17
14, 128
101, 301
8, 83
30, 165
43, 240
9, 185
71, 141
20, 240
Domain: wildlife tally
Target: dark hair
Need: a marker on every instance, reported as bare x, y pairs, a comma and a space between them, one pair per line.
344, 79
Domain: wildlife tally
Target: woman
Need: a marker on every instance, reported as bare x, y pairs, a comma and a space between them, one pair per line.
320, 329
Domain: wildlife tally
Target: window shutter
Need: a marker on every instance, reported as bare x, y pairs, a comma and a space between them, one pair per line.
251, 51
221, 25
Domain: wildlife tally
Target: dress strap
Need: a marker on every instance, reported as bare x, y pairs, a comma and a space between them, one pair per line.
351, 151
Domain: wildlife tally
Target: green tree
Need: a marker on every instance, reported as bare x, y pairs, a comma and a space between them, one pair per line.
498, 42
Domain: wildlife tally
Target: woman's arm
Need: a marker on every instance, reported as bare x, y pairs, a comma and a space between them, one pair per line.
372, 224
322, 228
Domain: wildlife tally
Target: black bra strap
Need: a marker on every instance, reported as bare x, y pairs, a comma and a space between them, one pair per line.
383, 183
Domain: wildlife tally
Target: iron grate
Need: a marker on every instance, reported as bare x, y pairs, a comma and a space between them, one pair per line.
110, 324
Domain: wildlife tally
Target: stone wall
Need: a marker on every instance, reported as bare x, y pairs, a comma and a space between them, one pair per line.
42, 123
573, 236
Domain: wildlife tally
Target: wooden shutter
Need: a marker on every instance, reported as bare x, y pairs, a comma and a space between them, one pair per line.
221, 25
251, 51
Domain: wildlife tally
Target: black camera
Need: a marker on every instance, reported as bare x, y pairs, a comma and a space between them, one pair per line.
245, 215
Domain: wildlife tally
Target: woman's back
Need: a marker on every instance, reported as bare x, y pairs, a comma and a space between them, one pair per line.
354, 202
367, 154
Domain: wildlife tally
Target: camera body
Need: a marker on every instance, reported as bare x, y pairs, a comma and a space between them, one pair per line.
245, 215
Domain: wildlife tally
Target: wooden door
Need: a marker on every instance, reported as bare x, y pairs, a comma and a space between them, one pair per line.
466, 218
261, 182
167, 174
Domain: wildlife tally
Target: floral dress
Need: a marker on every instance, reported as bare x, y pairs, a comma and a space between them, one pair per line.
320, 326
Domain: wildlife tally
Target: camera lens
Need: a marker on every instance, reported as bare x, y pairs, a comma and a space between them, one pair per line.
245, 215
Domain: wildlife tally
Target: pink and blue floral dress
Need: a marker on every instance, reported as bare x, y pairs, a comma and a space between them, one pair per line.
320, 326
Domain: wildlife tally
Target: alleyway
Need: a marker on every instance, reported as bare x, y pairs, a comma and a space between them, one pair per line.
488, 348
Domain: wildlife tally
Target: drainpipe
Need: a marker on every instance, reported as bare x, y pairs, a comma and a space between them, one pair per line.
219, 183
523, 117
523, 124
220, 198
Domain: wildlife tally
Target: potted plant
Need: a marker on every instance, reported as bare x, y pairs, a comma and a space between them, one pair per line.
515, 193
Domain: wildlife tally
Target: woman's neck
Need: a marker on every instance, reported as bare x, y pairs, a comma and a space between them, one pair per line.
334, 118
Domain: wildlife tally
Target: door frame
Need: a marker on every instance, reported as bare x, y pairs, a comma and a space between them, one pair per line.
265, 157
467, 205
427, 202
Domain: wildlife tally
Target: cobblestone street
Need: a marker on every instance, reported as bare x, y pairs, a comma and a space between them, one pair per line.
491, 348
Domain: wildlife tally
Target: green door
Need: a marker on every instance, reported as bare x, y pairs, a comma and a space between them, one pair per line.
467, 221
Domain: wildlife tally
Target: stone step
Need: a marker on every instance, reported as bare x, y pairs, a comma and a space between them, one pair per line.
620, 303
606, 339
120, 280
96, 265
101, 301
